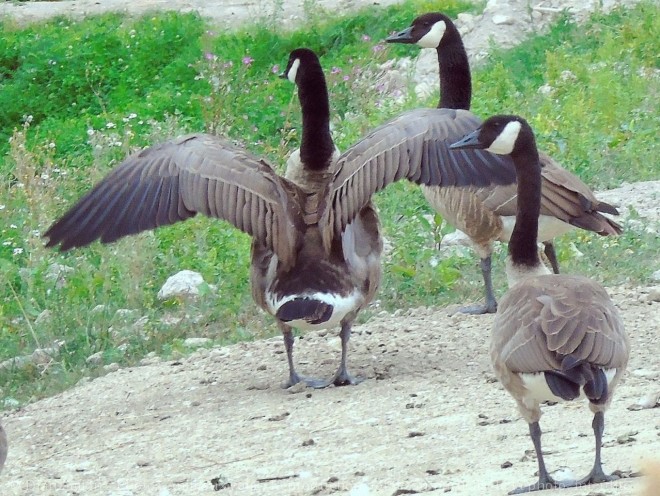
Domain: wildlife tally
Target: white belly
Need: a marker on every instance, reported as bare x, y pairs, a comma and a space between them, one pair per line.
549, 227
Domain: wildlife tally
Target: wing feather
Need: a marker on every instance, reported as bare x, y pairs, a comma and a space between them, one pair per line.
413, 146
547, 318
177, 179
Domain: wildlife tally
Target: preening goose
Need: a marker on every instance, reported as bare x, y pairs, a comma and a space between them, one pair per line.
3, 447
555, 337
487, 214
316, 240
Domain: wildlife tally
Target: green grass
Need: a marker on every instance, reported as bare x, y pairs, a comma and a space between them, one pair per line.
99, 88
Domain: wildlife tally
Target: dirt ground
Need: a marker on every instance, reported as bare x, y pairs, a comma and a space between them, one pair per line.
428, 419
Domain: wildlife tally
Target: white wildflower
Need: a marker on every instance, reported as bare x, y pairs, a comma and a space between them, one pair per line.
18, 251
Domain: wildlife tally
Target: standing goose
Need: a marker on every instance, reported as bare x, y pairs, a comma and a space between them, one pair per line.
487, 214
555, 337
316, 240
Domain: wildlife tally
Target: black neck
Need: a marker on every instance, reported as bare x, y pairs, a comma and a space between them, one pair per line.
455, 80
316, 147
522, 246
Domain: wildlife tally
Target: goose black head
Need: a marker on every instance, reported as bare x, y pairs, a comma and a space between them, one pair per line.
427, 31
301, 61
500, 134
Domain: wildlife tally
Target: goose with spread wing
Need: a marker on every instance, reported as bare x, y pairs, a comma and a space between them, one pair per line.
488, 214
316, 241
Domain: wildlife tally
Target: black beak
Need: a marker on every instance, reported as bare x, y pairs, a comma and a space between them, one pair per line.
468, 141
404, 36
283, 75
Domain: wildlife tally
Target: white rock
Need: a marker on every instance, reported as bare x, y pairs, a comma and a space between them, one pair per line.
546, 90
182, 284
11, 403
655, 277
499, 19
196, 342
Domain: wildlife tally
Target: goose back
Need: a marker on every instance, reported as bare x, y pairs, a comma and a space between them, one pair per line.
544, 319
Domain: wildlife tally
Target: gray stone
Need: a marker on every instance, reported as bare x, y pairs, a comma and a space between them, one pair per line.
655, 277
111, 367
182, 284
95, 360
57, 273
196, 342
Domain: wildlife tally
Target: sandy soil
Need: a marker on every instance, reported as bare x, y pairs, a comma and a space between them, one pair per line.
428, 419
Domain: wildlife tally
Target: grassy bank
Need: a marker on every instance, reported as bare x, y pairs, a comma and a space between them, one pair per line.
77, 96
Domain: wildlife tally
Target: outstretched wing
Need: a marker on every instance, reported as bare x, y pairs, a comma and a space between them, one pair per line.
413, 146
177, 179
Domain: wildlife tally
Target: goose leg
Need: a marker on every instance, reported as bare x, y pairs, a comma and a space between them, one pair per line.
597, 475
491, 302
342, 377
549, 250
545, 481
294, 378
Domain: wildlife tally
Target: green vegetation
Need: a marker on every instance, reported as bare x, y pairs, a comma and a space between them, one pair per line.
77, 96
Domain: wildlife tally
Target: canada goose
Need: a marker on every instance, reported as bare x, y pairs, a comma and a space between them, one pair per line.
3, 447
487, 214
316, 240
553, 334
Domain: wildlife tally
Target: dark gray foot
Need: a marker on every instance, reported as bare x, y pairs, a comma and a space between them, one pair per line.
309, 381
549, 483
596, 478
479, 309
345, 379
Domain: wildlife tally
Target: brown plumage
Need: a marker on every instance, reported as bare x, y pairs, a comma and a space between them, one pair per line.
554, 337
487, 214
316, 239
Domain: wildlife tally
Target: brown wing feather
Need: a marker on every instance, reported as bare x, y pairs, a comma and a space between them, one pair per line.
413, 146
545, 318
563, 195
177, 179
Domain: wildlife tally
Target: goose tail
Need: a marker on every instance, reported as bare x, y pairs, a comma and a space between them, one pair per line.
304, 308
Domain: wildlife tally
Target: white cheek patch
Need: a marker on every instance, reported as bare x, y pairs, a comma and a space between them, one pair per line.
434, 36
291, 75
506, 140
